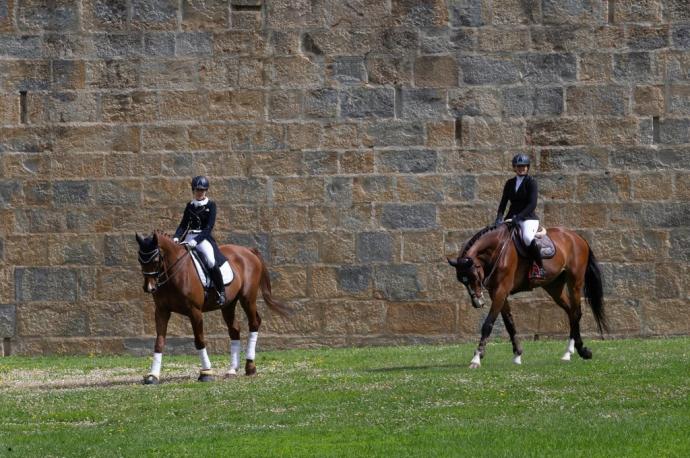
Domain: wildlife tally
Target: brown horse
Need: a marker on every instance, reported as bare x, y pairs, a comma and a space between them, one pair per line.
169, 274
490, 259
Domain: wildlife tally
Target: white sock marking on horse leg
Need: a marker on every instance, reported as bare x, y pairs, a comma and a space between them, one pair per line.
156, 364
205, 362
235, 346
517, 359
251, 345
476, 359
569, 350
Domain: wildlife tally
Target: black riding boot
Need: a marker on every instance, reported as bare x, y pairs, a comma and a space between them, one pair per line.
217, 278
536, 256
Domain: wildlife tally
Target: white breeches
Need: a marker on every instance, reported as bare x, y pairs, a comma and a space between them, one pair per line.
204, 248
529, 228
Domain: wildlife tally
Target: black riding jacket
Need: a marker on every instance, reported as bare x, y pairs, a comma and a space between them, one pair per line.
523, 202
201, 218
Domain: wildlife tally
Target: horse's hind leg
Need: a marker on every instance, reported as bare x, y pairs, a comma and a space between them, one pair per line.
510, 327
235, 343
249, 306
571, 304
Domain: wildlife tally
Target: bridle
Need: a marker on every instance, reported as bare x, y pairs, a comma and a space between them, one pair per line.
146, 257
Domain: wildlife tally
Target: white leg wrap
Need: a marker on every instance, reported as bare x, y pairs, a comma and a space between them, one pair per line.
569, 350
156, 364
251, 345
205, 362
235, 346
476, 359
517, 359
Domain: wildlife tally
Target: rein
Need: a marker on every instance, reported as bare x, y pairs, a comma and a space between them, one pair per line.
169, 272
498, 258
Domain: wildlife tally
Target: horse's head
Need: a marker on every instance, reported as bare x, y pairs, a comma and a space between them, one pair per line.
151, 261
471, 275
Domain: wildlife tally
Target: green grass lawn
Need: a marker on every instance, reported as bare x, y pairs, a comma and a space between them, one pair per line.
632, 399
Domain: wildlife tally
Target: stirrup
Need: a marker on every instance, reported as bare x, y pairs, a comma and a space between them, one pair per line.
536, 272
221, 298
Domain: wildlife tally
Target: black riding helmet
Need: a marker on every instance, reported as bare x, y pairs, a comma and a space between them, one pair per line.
199, 182
520, 159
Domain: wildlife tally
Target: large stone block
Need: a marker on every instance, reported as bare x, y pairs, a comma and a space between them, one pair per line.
598, 100
576, 215
105, 15
111, 74
503, 40
394, 133
483, 70
389, 70
7, 288
7, 13
666, 317
674, 131
339, 192
366, 103
115, 319
61, 319
631, 245
565, 131
642, 37
27, 250
407, 161
679, 100
680, 36
194, 44
422, 247
573, 160
354, 280
320, 162
360, 318
436, 71
480, 132
469, 13
396, 282
421, 318
374, 247
638, 10
420, 188
8, 320
204, 15
154, 14
531, 101
573, 12
295, 72
39, 15
337, 247
301, 136
348, 70
320, 103
46, 284
295, 248
424, 103
419, 216
635, 67
475, 102
677, 10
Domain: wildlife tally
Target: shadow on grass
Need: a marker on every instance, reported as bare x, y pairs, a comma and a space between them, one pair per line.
76, 384
425, 367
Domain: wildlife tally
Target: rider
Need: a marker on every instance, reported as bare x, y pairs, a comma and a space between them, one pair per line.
196, 226
522, 191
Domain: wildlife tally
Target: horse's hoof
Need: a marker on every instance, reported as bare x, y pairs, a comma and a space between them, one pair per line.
475, 366
250, 368
585, 353
205, 376
230, 374
150, 379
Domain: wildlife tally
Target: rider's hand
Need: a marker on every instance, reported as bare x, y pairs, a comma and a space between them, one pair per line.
176, 240
499, 220
192, 243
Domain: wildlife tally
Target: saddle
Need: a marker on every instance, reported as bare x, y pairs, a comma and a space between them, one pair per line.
205, 276
544, 242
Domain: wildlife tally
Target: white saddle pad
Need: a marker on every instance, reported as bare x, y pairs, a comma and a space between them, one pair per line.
225, 269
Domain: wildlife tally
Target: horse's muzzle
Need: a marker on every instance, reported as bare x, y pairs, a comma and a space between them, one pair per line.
477, 301
148, 288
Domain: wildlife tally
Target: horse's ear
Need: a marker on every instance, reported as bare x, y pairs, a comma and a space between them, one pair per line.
452, 262
140, 239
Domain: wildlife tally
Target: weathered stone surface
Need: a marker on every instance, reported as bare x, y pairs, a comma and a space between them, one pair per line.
420, 318
8, 320
418, 216
52, 320
365, 103
396, 282
522, 101
436, 71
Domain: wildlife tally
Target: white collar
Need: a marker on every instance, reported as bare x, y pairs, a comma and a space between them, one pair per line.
518, 181
200, 203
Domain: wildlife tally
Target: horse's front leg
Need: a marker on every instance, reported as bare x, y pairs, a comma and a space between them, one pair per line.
197, 319
162, 317
510, 327
497, 302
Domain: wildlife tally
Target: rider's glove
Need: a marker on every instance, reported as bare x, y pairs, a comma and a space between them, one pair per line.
499, 220
176, 240
192, 243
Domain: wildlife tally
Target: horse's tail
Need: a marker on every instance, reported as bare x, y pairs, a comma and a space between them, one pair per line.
594, 291
272, 303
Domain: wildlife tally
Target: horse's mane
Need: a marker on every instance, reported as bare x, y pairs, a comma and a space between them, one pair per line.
476, 237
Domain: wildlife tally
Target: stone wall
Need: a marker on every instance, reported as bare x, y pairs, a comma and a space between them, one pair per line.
355, 143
